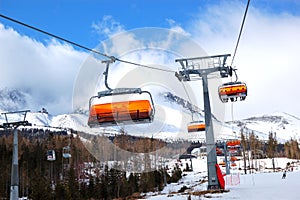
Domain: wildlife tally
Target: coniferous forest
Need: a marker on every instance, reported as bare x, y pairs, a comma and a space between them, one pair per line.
81, 176
98, 166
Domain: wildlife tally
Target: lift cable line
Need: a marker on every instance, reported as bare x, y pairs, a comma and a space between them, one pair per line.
54, 36
235, 50
81, 46
241, 30
145, 66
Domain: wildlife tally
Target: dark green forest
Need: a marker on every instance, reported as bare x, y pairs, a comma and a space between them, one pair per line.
81, 176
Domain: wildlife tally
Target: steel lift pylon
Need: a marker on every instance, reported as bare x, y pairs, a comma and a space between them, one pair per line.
192, 72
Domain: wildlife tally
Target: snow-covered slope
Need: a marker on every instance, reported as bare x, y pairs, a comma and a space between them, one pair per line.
260, 185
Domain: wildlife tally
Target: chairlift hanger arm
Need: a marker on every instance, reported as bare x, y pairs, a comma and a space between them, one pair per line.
105, 73
236, 76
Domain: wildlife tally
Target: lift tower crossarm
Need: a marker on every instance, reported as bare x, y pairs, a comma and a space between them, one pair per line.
14, 188
216, 64
12, 124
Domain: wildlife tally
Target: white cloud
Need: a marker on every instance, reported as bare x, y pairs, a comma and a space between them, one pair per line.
108, 26
174, 26
46, 71
267, 56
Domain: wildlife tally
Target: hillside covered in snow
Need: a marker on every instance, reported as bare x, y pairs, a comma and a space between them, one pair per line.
170, 122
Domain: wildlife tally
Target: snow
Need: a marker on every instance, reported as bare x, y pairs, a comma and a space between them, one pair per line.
259, 185
170, 121
266, 186
286, 126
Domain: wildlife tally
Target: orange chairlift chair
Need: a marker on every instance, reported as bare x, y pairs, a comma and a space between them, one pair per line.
109, 114
196, 126
232, 91
233, 143
125, 112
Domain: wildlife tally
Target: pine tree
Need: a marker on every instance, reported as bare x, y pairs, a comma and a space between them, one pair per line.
73, 184
272, 146
62, 191
291, 149
133, 183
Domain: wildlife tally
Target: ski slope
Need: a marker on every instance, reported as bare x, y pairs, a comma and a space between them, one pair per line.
257, 186
266, 186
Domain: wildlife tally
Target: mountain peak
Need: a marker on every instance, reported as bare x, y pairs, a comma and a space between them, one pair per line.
13, 99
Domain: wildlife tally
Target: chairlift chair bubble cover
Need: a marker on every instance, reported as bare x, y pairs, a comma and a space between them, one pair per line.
232, 90
66, 152
107, 114
51, 155
196, 126
125, 112
233, 143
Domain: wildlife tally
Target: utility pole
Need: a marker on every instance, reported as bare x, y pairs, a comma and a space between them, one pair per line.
191, 71
14, 188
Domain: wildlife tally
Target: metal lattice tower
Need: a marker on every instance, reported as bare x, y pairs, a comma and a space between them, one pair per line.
14, 188
199, 68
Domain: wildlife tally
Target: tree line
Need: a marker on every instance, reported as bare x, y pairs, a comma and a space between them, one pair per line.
254, 148
83, 175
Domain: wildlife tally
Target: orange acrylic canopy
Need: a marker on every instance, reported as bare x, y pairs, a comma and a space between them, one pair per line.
232, 89
232, 159
233, 143
196, 127
120, 111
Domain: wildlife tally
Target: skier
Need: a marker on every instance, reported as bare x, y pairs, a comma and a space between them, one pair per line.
284, 174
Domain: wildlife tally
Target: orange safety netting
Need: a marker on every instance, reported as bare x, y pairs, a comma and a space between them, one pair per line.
232, 179
120, 111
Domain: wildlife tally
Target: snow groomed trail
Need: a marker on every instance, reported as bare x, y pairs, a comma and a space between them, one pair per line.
264, 185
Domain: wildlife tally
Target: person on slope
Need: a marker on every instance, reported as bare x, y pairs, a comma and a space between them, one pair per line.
284, 174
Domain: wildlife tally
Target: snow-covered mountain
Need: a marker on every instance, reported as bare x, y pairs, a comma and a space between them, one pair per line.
13, 99
285, 126
172, 117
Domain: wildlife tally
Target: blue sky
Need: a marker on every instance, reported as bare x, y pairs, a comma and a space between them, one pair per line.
266, 58
74, 19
